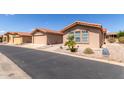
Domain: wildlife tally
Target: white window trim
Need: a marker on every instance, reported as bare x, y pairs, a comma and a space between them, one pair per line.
80, 36
87, 37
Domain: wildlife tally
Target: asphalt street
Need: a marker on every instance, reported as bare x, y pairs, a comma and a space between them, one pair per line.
47, 65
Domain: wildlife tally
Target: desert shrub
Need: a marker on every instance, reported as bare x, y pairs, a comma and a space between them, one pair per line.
88, 51
111, 40
121, 39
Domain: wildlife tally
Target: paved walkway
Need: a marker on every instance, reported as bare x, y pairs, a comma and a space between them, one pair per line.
9, 70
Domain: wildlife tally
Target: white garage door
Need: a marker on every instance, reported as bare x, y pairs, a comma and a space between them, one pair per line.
40, 40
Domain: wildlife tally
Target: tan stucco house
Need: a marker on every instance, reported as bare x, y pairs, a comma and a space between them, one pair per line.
5, 38
46, 37
17, 37
85, 34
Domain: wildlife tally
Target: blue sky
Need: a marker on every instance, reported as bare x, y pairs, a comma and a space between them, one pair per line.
27, 22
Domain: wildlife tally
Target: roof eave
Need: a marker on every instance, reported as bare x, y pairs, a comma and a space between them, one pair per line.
72, 25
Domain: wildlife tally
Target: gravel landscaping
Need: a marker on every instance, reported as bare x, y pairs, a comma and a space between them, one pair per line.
116, 53
97, 53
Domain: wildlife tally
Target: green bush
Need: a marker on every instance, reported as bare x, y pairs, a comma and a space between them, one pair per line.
120, 34
111, 40
121, 39
88, 51
71, 43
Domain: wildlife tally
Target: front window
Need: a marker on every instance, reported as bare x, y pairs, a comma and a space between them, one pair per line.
71, 33
77, 36
85, 36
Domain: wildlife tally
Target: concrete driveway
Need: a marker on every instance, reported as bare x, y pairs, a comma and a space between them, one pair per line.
9, 70
46, 65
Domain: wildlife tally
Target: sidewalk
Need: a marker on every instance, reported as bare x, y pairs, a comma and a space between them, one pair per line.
9, 70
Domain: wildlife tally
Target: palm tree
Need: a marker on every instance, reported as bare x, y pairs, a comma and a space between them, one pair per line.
71, 43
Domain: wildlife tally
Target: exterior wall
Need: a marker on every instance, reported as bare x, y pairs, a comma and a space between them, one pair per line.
26, 39
22, 39
11, 39
39, 38
8, 38
102, 38
5, 38
46, 39
18, 40
95, 36
54, 39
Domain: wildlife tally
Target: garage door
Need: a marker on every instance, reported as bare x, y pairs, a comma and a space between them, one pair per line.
40, 40
17, 40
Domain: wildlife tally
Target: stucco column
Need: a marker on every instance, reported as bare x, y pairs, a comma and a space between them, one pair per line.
33, 39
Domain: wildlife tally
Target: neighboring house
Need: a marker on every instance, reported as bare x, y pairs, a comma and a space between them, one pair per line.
17, 37
111, 35
46, 36
85, 34
5, 38
1, 38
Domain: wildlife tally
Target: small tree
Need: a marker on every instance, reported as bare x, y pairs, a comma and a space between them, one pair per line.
71, 43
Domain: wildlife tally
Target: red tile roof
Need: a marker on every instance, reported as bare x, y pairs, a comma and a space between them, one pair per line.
19, 33
84, 24
44, 30
24, 33
104, 30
